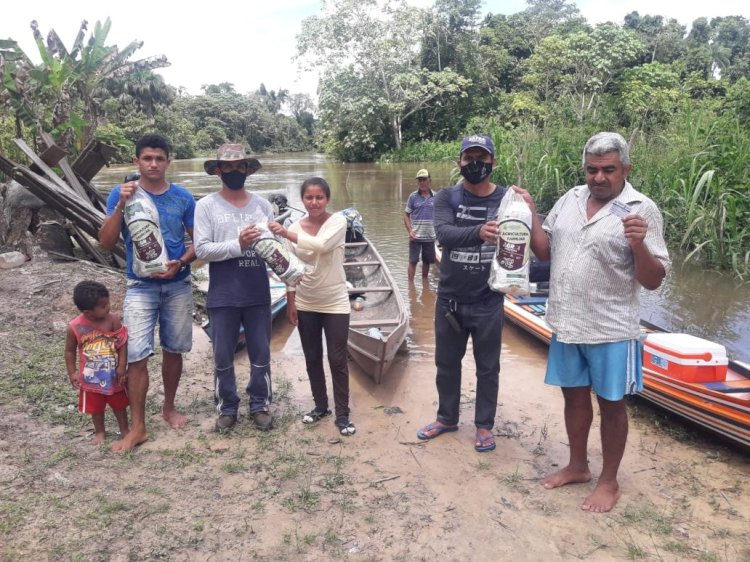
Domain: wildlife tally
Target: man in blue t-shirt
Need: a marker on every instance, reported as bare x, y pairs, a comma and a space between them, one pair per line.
165, 298
418, 217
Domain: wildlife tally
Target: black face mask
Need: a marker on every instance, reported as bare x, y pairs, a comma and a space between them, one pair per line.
234, 180
476, 171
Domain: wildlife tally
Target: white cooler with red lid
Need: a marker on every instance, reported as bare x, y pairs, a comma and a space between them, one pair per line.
685, 357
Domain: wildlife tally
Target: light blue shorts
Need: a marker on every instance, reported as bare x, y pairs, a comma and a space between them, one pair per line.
169, 304
611, 369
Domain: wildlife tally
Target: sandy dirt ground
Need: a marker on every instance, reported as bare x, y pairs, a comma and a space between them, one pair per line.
307, 493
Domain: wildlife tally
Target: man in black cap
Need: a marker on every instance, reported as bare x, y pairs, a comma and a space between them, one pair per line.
466, 228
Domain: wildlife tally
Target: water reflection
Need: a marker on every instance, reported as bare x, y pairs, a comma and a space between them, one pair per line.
704, 303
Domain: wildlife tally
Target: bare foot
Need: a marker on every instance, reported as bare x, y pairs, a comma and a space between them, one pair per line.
567, 475
98, 439
174, 419
603, 498
130, 441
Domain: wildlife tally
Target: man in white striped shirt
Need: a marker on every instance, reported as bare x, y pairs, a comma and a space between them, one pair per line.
605, 241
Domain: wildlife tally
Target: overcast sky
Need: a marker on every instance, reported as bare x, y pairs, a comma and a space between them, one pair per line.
254, 42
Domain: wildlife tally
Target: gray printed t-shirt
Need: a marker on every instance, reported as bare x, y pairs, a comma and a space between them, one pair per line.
237, 278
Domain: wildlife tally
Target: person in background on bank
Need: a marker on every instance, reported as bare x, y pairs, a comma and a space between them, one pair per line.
605, 240
238, 290
166, 298
320, 303
418, 220
466, 228
99, 340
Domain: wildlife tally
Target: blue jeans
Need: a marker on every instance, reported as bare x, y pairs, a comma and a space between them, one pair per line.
225, 326
483, 321
169, 304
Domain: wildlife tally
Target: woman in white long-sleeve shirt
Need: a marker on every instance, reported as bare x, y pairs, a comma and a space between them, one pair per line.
320, 303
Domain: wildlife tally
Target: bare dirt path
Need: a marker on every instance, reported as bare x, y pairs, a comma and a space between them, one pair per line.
307, 493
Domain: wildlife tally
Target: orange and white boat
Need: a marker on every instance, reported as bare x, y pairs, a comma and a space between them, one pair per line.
688, 376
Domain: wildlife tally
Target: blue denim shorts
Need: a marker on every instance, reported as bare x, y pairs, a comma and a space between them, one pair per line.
611, 369
169, 304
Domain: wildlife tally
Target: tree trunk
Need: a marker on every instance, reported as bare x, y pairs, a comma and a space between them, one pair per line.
396, 131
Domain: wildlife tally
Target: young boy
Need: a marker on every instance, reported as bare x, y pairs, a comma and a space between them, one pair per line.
101, 342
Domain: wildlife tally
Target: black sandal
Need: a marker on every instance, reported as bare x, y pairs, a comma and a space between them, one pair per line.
315, 415
345, 427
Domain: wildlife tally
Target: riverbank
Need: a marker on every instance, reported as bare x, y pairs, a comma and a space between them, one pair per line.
307, 493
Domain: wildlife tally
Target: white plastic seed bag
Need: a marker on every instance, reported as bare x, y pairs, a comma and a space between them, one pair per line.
142, 218
510, 268
279, 258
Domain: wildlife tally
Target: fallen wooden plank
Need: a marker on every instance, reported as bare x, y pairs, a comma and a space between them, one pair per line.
67, 171
49, 172
93, 158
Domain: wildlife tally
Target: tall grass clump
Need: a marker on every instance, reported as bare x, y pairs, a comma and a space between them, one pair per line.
697, 172
423, 151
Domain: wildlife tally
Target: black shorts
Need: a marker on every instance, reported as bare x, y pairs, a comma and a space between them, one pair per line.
427, 249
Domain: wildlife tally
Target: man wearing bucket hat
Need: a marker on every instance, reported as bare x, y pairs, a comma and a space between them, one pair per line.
466, 228
164, 298
226, 226
418, 217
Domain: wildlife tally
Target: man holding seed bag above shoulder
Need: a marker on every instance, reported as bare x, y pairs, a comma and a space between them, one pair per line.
605, 241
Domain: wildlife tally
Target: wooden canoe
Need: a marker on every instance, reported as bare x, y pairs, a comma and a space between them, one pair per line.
720, 407
378, 322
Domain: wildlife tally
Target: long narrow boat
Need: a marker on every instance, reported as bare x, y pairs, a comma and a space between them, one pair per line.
722, 407
378, 323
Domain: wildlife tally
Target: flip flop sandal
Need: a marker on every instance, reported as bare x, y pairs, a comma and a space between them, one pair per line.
315, 415
435, 426
482, 446
346, 428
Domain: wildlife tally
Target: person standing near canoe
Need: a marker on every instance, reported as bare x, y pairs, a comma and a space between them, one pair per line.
418, 220
466, 228
320, 303
605, 240
164, 298
238, 290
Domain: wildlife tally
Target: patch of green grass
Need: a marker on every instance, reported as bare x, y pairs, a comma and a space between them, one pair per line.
233, 467
676, 547
59, 456
647, 516
284, 389
330, 538
304, 499
13, 515
512, 479
106, 511
332, 481
185, 456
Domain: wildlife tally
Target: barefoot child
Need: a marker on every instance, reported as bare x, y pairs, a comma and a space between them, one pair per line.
100, 340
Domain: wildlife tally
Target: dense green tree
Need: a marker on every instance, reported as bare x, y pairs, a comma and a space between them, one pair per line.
580, 66
650, 93
663, 41
374, 45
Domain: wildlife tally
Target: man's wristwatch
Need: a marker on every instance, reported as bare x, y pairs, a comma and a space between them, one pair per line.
183, 265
